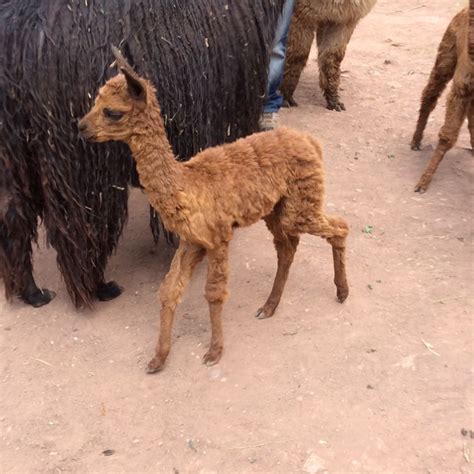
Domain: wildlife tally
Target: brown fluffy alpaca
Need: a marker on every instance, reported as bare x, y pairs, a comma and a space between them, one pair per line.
277, 176
334, 22
452, 62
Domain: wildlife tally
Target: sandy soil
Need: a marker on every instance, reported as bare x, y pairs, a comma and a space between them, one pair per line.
382, 383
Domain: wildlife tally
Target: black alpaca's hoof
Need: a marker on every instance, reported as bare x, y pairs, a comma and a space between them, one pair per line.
415, 146
39, 297
108, 291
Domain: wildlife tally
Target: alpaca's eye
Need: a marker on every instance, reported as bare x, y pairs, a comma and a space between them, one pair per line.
114, 115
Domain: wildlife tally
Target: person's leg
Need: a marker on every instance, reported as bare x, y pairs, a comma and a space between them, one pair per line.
274, 99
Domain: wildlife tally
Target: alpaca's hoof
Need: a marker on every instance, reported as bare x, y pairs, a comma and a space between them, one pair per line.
212, 356
422, 186
290, 103
155, 365
265, 312
336, 105
342, 294
108, 291
39, 297
416, 146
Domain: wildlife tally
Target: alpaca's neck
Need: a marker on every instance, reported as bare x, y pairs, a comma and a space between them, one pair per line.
158, 170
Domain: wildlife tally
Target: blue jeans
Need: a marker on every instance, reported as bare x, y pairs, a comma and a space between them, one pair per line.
274, 99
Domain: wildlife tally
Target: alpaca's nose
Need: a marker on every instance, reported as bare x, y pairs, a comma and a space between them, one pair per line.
84, 130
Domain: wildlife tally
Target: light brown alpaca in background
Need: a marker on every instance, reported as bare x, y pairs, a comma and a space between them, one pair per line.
455, 60
334, 22
277, 176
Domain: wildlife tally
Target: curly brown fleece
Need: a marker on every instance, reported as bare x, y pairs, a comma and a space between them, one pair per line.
334, 22
455, 60
276, 176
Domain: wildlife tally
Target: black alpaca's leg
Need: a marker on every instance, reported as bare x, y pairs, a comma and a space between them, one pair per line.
35, 296
17, 230
107, 291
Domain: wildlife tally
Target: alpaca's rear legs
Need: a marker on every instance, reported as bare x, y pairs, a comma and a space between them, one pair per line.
17, 229
299, 47
185, 260
456, 108
442, 73
335, 230
286, 246
332, 39
216, 293
35, 296
106, 291
339, 257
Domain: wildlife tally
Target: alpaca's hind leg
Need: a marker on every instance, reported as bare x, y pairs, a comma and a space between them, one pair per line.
332, 41
106, 291
442, 73
299, 46
455, 114
470, 122
17, 229
216, 294
185, 260
35, 296
17, 272
286, 246
335, 230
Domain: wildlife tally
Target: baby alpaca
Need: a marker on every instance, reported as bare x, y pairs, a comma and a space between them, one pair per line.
454, 61
334, 21
277, 176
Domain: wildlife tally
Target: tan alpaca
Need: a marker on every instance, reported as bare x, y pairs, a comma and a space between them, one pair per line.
277, 176
455, 60
334, 22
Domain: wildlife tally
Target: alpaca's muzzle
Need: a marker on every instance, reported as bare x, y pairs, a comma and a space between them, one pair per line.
84, 130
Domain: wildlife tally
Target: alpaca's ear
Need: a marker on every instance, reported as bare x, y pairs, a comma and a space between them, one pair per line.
121, 61
136, 88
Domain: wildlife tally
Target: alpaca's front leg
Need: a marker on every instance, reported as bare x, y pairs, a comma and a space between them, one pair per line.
185, 260
216, 293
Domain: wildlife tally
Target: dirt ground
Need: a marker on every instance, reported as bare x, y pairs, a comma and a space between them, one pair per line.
382, 383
